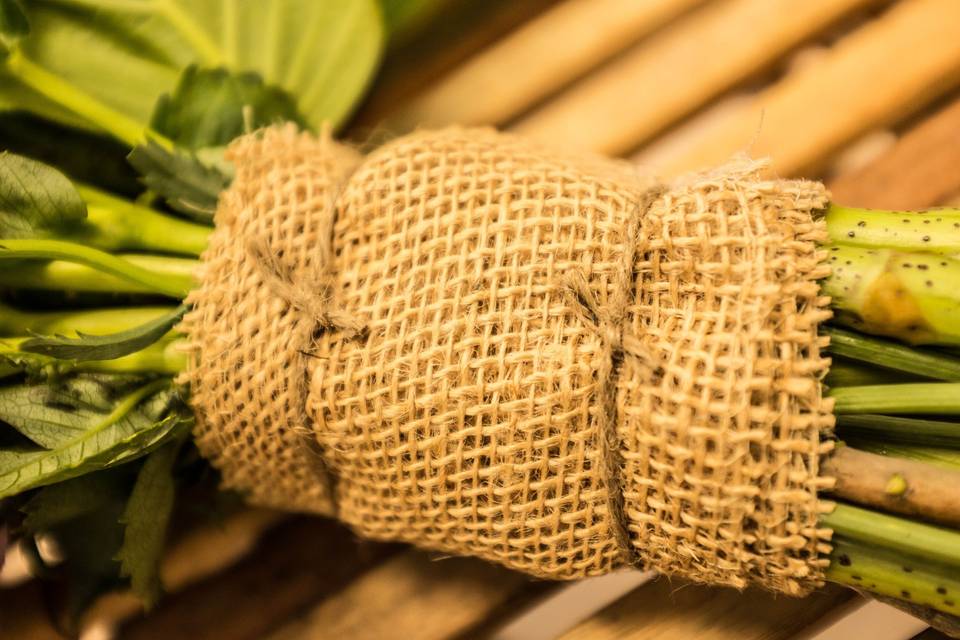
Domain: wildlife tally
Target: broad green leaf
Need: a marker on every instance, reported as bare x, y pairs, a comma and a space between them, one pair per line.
105, 347
185, 183
35, 199
125, 54
135, 425
89, 544
53, 413
209, 107
146, 518
13, 24
58, 504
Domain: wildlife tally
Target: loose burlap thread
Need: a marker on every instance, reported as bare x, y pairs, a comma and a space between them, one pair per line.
544, 360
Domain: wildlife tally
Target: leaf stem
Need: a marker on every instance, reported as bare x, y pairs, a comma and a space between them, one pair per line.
892, 355
170, 285
92, 321
893, 484
60, 275
930, 398
167, 356
934, 230
935, 544
943, 458
863, 567
79, 102
115, 224
899, 429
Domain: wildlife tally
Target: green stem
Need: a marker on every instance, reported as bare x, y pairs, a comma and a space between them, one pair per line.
166, 356
892, 355
114, 224
936, 230
59, 275
850, 373
167, 284
893, 575
943, 458
914, 297
924, 541
91, 321
79, 102
929, 398
899, 429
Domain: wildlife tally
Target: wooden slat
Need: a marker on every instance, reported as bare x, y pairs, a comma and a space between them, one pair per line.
460, 30
675, 610
199, 554
679, 70
535, 60
923, 168
294, 566
23, 616
415, 598
878, 74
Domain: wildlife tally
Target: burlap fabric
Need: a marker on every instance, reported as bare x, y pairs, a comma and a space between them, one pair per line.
545, 360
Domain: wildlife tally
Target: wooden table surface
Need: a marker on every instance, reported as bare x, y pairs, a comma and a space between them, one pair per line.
864, 94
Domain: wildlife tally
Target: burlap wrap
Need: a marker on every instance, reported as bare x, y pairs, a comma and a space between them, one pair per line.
545, 360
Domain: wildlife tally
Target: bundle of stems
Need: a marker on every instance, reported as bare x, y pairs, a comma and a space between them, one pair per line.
896, 522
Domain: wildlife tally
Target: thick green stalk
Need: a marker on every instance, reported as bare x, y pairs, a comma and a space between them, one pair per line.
892, 574
929, 398
91, 321
935, 230
114, 224
174, 275
914, 297
899, 429
924, 541
893, 355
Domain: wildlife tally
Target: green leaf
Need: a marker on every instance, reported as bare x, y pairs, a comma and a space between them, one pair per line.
13, 24
105, 347
185, 183
89, 544
146, 518
211, 107
36, 200
125, 54
58, 504
136, 424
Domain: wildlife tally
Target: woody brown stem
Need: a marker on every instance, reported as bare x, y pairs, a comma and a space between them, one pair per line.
897, 485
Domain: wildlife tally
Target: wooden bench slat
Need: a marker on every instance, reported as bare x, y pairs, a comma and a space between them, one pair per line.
677, 71
921, 170
295, 565
413, 597
678, 610
536, 60
883, 71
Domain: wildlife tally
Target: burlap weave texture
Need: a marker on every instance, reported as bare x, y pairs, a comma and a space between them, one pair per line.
565, 367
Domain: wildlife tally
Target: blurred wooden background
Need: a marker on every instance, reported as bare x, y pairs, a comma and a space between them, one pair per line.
864, 94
